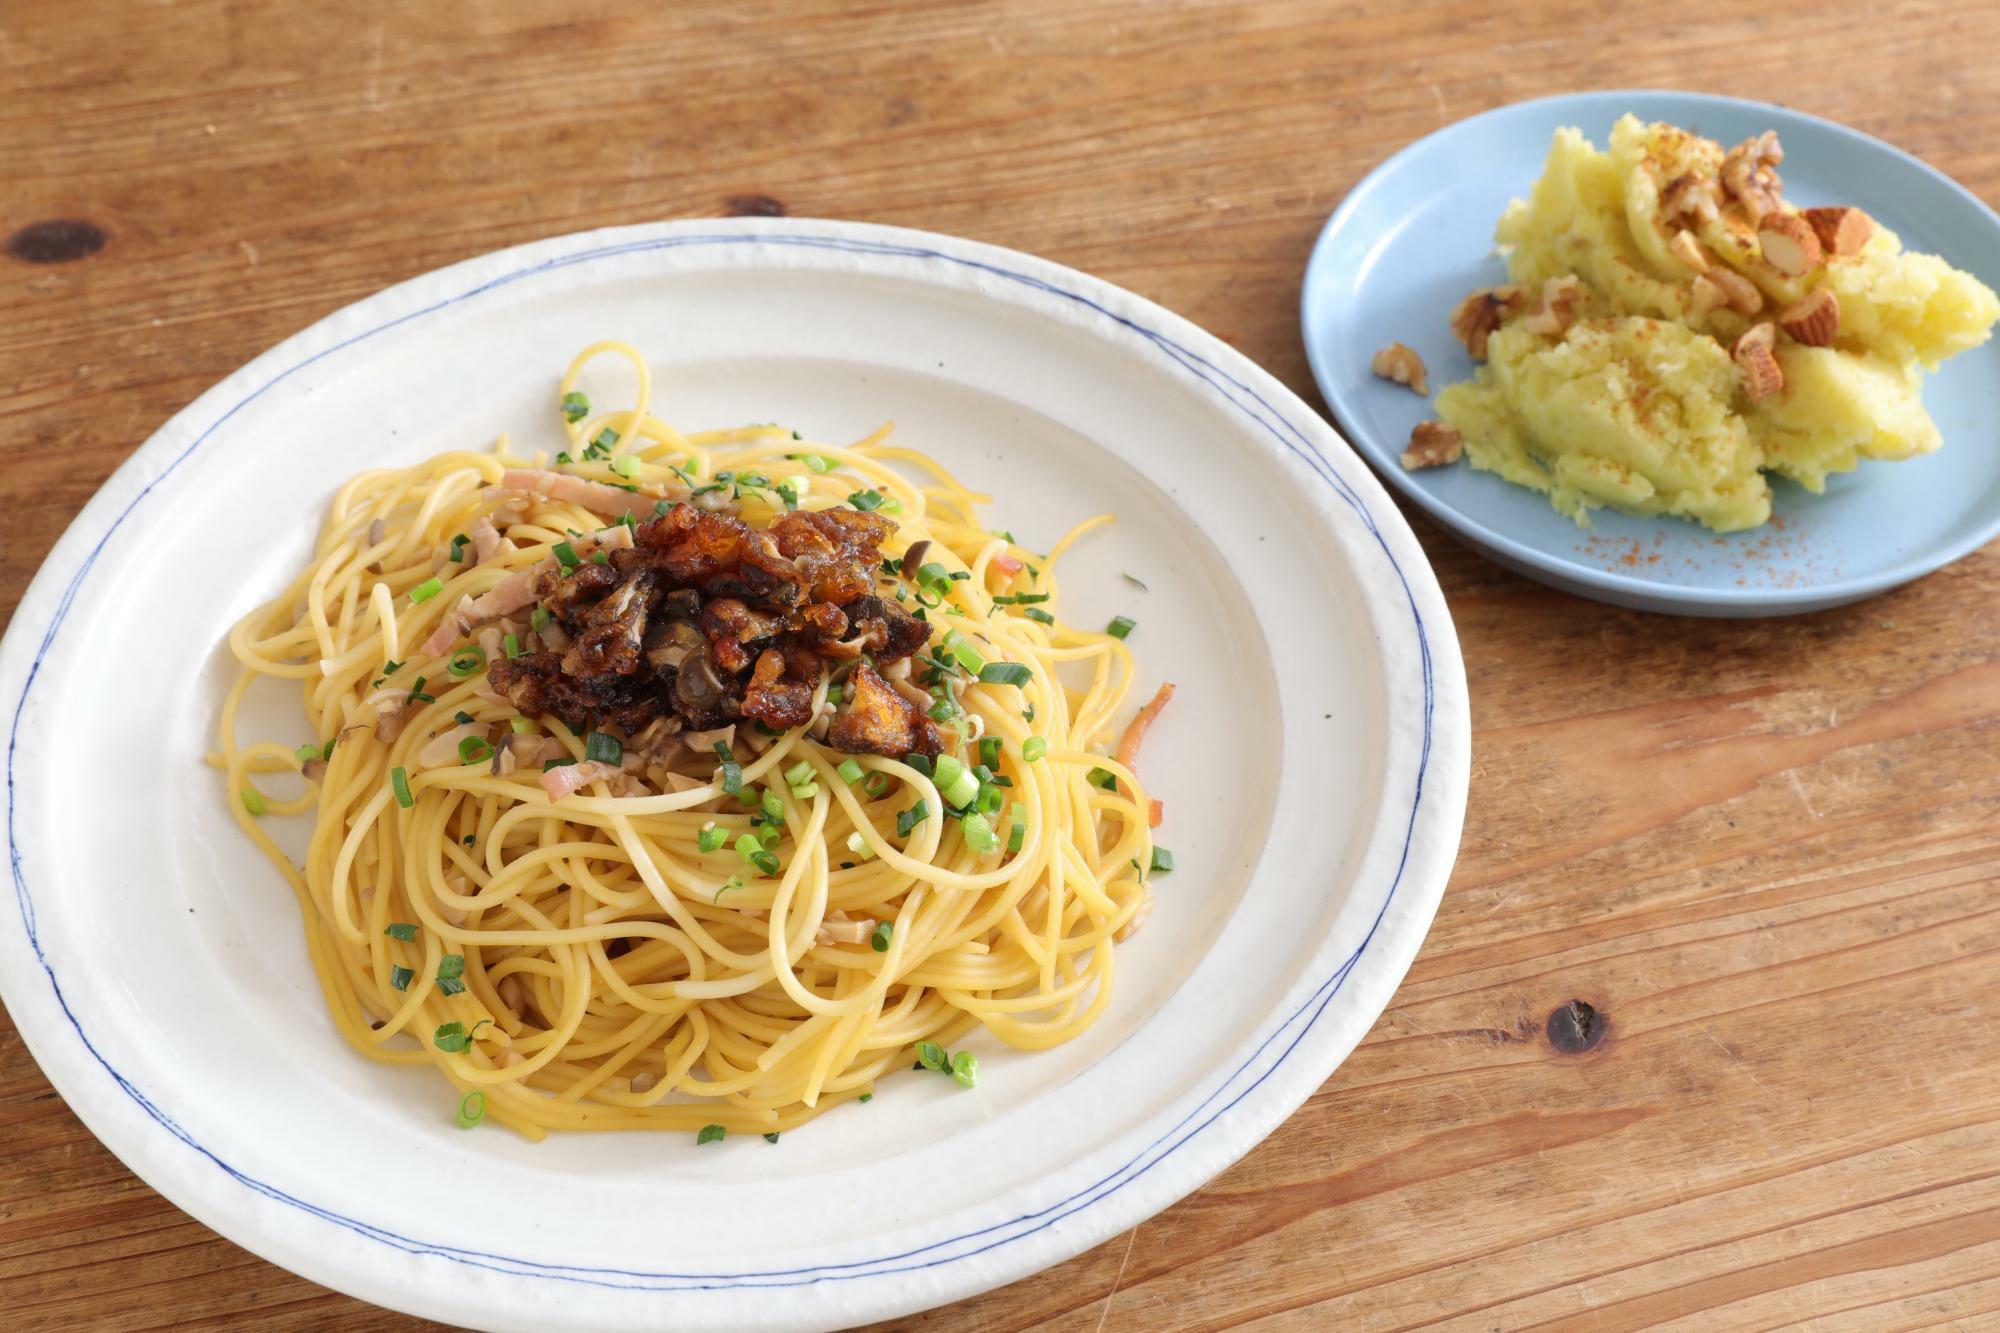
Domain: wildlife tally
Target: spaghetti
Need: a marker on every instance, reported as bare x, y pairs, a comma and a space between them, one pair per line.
662, 927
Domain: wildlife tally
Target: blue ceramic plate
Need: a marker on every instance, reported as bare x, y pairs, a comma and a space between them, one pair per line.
1411, 240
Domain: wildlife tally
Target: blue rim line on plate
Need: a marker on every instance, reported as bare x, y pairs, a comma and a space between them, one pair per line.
1268, 418
1323, 285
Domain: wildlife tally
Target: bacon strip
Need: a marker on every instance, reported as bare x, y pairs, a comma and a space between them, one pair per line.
596, 496
571, 778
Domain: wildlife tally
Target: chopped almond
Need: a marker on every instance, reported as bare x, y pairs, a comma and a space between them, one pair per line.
1841, 231
1402, 365
1687, 249
1789, 243
1432, 445
1556, 311
1744, 297
1753, 355
1704, 296
1815, 320
1479, 314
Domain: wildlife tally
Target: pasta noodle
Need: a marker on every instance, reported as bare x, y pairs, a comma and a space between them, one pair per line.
582, 963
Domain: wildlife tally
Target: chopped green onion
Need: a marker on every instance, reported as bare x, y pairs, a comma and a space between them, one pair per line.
1163, 861
606, 440
859, 846
253, 800
978, 834
920, 762
451, 967
604, 748
474, 750
521, 726
989, 751
866, 500
567, 761
575, 406
711, 837
327, 753
944, 710
466, 661
931, 1055
1034, 748
766, 863
1036, 613
770, 1138
600, 558
1017, 834
426, 590
539, 621
400, 977
626, 465
770, 836
728, 885
910, 818
417, 695
850, 772
1004, 673
799, 774
512, 645
865, 1097
817, 462
455, 1037
879, 941
732, 777
773, 806
566, 555
563, 457
875, 784
401, 930
954, 782
471, 1109
749, 848
1020, 598
461, 717
988, 801
458, 545
399, 782
892, 506
307, 753
965, 1069
711, 1134
1120, 626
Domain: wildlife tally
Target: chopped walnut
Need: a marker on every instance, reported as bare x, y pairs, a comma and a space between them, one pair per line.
1432, 445
1402, 365
1815, 320
1556, 311
1689, 196
1753, 355
1749, 174
1479, 314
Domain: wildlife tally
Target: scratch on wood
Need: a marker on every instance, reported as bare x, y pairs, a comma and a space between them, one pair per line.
1131, 1239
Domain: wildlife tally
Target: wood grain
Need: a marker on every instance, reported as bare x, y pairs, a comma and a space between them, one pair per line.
1762, 853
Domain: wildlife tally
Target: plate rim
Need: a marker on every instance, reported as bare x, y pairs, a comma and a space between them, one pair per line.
69, 1059
1569, 574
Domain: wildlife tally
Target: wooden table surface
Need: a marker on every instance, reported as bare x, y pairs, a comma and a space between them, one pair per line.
1762, 854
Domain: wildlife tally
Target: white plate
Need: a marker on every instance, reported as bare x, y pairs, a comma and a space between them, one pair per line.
1313, 765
